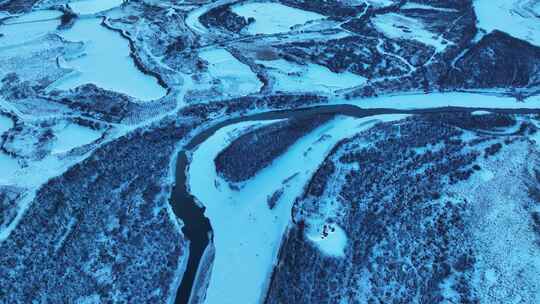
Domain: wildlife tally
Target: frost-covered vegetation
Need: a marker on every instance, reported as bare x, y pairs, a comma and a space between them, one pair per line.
261, 146
423, 203
103, 229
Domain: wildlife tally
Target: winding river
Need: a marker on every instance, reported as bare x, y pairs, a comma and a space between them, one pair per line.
197, 228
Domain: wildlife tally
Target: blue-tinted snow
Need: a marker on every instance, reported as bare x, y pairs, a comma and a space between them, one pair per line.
331, 240
273, 18
88, 7
35, 16
5, 124
398, 26
69, 136
236, 78
247, 234
9, 166
106, 63
291, 77
519, 18
28, 27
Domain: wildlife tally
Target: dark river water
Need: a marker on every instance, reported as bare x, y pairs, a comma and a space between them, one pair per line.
197, 228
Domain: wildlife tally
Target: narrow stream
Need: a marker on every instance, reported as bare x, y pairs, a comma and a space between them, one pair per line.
197, 228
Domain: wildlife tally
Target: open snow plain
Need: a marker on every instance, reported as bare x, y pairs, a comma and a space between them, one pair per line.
287, 151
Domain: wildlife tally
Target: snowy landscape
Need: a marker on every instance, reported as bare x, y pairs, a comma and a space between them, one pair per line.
270, 151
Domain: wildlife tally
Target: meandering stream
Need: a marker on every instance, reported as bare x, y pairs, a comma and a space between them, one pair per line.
197, 228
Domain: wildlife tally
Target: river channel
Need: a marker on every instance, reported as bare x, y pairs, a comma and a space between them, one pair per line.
197, 228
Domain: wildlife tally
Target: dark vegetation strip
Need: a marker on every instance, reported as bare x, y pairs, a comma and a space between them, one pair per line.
259, 147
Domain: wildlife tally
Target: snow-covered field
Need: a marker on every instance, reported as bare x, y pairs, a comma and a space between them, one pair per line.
291, 77
273, 18
518, 18
247, 233
88, 7
28, 27
106, 63
397, 26
236, 78
5, 124
193, 18
332, 242
35, 16
9, 166
26, 176
437, 100
69, 136
415, 5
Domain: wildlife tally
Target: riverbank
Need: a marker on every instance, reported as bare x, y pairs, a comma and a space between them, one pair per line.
187, 208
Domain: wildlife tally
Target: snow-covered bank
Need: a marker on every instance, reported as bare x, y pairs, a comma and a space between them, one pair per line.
5, 124
518, 18
438, 100
273, 18
89, 7
292, 77
247, 233
416, 5
35, 16
193, 18
235, 78
480, 112
106, 63
9, 166
69, 136
397, 26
